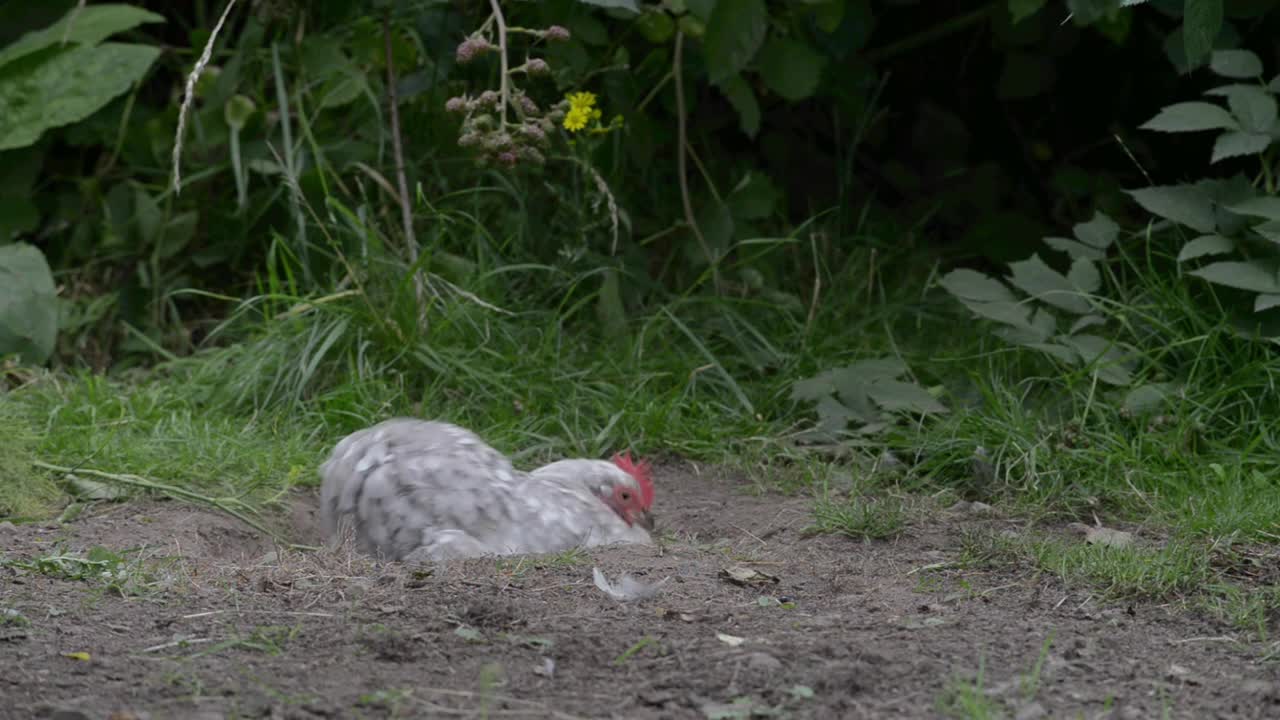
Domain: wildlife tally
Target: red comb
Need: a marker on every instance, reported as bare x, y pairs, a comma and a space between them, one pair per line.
639, 471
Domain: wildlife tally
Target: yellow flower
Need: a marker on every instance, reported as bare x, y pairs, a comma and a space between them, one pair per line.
582, 110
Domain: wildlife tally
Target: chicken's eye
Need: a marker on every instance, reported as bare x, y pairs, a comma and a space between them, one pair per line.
625, 495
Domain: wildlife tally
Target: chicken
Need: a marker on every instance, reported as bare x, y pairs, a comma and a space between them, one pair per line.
422, 491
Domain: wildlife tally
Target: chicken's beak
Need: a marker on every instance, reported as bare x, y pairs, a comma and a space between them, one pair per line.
645, 520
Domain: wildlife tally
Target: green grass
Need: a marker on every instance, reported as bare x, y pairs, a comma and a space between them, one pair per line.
533, 356
858, 517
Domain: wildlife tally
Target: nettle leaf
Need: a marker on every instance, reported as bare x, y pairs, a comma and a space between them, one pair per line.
878, 369
1263, 207
833, 415
89, 25
1235, 64
735, 31
1254, 107
973, 285
852, 391
743, 99
1237, 144
1191, 117
1184, 204
818, 386
1104, 353
1251, 275
1205, 245
791, 68
67, 87
1201, 23
28, 304
898, 396
1042, 282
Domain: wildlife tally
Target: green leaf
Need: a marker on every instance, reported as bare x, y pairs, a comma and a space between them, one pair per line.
1042, 282
1147, 398
1015, 314
734, 34
1100, 232
28, 304
655, 25
613, 4
701, 9
1265, 302
67, 87
1020, 10
1254, 107
1084, 276
1235, 64
1205, 245
743, 99
1201, 22
1058, 352
827, 16
896, 396
1236, 144
877, 369
1104, 354
1263, 207
716, 223
1184, 204
1087, 321
610, 312
89, 25
791, 68
1251, 275
754, 197
1074, 248
237, 111
1043, 325
1269, 230
813, 388
973, 285
1191, 117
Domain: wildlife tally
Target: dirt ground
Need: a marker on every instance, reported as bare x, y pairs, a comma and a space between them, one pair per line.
224, 625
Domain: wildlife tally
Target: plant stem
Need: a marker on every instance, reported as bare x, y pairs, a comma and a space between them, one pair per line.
222, 504
504, 89
682, 162
397, 151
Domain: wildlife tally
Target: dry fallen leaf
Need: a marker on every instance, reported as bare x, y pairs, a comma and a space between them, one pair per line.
1098, 535
730, 640
743, 575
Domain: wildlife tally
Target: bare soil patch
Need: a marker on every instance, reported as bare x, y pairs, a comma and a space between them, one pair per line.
227, 626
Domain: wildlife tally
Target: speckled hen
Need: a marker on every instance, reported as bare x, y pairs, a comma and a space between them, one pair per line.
421, 491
